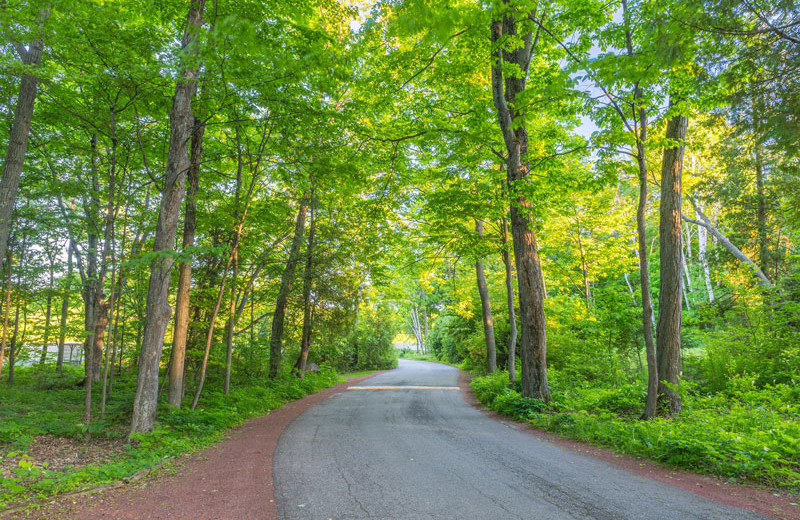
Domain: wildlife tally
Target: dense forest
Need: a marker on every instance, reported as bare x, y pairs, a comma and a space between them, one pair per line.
592, 204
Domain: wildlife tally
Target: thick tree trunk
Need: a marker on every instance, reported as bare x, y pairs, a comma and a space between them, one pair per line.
668, 342
276, 338
178, 356
158, 311
512, 316
308, 282
18, 137
486, 310
505, 89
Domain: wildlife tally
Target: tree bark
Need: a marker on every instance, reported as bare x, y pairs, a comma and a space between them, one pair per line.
648, 320
512, 317
486, 309
308, 282
47, 313
231, 323
761, 214
702, 251
12, 347
687, 281
505, 89
6, 309
62, 335
644, 274
157, 311
668, 331
18, 137
276, 338
178, 356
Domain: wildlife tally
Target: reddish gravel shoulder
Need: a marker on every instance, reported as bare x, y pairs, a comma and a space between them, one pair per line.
232, 480
768, 503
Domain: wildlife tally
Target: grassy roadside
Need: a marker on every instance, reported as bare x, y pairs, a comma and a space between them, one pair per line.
747, 434
362, 373
31, 419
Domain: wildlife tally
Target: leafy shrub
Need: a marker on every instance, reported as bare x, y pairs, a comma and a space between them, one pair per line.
745, 433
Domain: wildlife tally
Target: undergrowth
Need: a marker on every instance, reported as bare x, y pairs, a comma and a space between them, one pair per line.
26, 412
744, 433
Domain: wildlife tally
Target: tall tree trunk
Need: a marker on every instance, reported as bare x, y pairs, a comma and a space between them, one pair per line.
668, 332
512, 317
276, 338
235, 258
157, 312
231, 324
6, 309
648, 320
308, 282
761, 214
47, 312
486, 309
18, 137
62, 334
210, 336
505, 89
178, 356
87, 291
644, 274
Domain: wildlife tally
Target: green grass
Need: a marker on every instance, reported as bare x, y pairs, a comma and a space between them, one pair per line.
362, 373
742, 434
43, 403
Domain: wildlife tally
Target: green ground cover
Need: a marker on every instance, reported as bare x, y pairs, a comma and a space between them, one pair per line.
43, 403
744, 433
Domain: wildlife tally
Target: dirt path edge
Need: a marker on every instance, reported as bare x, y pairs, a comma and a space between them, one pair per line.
231, 480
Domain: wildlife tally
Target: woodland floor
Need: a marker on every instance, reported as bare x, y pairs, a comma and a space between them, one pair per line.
61, 454
233, 480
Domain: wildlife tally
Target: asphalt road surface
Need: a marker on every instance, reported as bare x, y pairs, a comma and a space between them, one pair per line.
405, 445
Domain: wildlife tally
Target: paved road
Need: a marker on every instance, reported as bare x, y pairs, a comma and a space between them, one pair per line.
404, 453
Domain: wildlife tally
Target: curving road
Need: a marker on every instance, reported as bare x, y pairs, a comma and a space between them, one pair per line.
394, 448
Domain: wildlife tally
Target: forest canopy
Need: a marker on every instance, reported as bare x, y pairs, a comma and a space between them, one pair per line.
569, 195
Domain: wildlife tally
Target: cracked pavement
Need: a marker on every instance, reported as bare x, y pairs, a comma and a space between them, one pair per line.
404, 454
